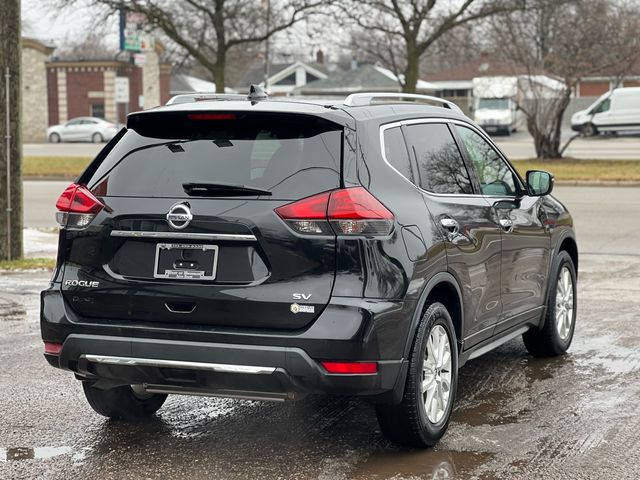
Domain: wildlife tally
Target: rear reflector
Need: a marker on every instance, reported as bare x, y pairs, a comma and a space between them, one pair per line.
351, 368
52, 348
77, 206
211, 116
349, 211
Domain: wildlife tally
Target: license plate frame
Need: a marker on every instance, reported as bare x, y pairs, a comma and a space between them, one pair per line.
185, 274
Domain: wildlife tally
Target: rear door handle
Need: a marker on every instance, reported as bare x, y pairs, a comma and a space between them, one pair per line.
450, 225
506, 224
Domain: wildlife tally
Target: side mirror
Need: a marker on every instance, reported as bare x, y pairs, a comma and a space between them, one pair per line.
539, 183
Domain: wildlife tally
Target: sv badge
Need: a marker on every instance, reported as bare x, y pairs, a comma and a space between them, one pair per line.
302, 296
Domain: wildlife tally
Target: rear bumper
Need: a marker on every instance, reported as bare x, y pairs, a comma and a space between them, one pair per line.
259, 365
245, 371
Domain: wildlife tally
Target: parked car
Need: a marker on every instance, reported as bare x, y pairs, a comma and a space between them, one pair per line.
616, 111
82, 129
270, 249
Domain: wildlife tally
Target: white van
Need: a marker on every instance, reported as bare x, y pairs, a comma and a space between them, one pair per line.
615, 111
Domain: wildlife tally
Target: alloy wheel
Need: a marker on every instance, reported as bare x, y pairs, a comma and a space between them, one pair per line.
436, 374
564, 303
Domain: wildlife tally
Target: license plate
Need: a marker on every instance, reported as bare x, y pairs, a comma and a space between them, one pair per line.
184, 261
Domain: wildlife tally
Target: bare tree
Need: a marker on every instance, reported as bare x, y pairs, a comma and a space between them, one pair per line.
11, 128
207, 30
90, 46
399, 33
568, 40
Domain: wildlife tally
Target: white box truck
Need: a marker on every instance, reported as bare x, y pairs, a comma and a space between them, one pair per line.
495, 106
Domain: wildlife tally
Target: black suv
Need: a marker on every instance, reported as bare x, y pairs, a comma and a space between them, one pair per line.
271, 249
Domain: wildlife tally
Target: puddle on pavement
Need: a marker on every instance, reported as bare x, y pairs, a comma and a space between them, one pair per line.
12, 311
485, 410
429, 463
28, 453
492, 406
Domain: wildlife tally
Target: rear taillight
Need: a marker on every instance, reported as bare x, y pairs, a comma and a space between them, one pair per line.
351, 368
52, 348
348, 211
77, 207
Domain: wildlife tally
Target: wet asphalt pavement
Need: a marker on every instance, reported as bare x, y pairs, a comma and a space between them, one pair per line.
516, 417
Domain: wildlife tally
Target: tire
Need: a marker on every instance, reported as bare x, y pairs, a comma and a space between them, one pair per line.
408, 423
589, 130
557, 332
54, 138
122, 403
97, 138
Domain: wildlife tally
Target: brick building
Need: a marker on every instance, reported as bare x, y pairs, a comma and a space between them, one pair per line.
35, 115
56, 89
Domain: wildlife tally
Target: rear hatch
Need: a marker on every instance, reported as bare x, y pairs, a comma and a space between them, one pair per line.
188, 232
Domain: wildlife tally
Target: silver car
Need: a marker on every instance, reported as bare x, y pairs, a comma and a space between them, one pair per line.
82, 129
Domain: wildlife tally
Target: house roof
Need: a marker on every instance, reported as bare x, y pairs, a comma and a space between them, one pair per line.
183, 83
485, 66
277, 71
480, 67
366, 78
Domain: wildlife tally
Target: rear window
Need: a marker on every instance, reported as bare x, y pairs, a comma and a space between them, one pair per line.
292, 156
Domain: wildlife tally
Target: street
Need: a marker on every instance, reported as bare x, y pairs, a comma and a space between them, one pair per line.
516, 416
613, 207
517, 146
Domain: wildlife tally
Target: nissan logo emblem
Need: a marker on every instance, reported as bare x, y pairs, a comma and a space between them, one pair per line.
179, 216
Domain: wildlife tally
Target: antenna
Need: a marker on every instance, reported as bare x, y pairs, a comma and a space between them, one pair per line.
256, 93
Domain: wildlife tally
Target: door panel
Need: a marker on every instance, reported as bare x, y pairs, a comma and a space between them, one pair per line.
525, 256
467, 223
474, 258
71, 130
525, 240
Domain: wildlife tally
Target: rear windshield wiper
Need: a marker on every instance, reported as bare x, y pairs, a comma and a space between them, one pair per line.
205, 189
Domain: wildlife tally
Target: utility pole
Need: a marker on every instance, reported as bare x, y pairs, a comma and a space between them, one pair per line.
266, 48
10, 126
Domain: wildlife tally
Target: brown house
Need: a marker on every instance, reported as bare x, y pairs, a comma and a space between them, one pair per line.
88, 88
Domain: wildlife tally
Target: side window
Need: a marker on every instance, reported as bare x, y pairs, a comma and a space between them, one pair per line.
495, 176
602, 106
395, 152
440, 165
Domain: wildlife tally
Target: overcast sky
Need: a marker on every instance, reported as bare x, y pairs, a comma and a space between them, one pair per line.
42, 20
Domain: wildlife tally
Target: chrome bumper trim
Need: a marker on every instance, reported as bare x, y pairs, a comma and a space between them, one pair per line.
153, 362
183, 235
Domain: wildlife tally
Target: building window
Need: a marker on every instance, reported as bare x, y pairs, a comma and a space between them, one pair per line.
288, 80
458, 92
97, 110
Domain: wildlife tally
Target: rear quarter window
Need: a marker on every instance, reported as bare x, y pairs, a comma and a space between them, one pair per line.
395, 151
293, 156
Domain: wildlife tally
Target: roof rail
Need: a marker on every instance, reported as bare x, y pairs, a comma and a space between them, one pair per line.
362, 99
